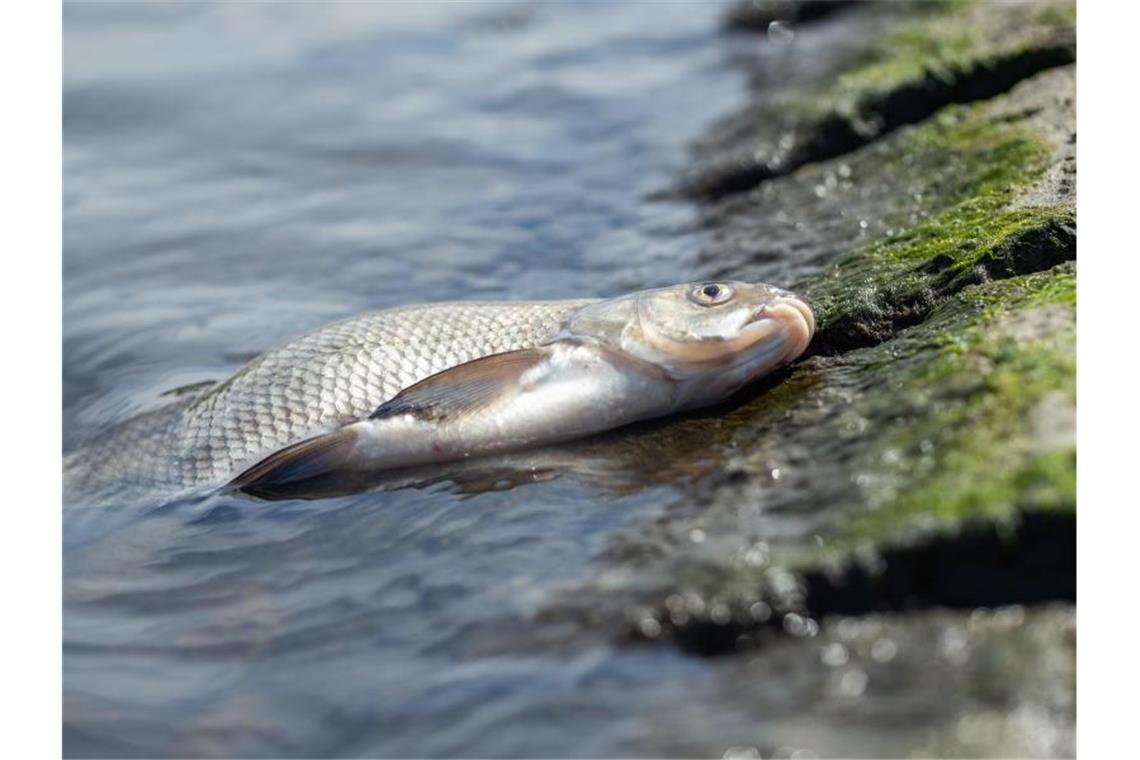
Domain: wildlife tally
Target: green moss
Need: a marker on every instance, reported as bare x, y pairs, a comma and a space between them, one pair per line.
944, 41
999, 363
991, 161
939, 46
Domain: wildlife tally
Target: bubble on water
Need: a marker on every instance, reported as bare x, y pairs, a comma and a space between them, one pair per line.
696, 535
741, 752
863, 224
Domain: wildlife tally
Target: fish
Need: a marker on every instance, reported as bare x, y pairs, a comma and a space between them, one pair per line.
434, 383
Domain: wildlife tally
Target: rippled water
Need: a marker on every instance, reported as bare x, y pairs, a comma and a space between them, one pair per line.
236, 174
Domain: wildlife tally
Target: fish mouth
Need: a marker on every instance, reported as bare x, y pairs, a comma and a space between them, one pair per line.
775, 333
788, 316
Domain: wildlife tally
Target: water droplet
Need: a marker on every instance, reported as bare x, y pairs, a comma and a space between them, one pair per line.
694, 604
853, 683
780, 33
649, 628
760, 612
884, 650
795, 624
848, 628
720, 614
833, 655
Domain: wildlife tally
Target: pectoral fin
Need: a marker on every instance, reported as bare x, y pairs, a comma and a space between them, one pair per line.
308, 459
464, 389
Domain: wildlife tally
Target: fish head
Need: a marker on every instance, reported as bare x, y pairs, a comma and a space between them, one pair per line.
712, 338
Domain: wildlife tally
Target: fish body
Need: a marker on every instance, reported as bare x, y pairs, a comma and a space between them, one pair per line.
438, 382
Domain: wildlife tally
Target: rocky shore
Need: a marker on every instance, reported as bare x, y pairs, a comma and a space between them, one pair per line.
894, 520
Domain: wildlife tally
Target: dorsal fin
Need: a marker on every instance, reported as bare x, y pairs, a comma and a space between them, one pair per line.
315, 456
465, 388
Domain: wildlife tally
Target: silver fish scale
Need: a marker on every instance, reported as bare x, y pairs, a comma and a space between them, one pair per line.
327, 378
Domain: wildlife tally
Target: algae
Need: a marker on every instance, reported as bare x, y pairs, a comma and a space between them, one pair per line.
937, 408
943, 53
866, 296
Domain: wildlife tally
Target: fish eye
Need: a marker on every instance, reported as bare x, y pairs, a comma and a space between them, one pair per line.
710, 294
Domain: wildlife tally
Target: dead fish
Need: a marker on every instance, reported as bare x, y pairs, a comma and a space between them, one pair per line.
440, 382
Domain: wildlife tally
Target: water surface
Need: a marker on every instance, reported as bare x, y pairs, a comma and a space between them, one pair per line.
238, 173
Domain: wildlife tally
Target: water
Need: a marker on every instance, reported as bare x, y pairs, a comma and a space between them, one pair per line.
236, 174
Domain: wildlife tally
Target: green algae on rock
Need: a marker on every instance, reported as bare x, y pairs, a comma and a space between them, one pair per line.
923, 455
935, 419
952, 52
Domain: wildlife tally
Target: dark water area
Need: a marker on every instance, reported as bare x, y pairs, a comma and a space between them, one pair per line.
236, 174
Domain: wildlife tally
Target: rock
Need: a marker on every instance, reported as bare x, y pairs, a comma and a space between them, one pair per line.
948, 53
923, 455
940, 683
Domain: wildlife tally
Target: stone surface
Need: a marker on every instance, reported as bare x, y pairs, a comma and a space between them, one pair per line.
984, 683
924, 57
923, 455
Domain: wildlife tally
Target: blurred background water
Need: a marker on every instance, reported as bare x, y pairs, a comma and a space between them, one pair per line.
235, 174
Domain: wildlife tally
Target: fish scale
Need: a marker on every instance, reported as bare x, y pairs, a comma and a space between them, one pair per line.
320, 381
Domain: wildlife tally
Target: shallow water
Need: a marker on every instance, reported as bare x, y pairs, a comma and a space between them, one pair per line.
236, 174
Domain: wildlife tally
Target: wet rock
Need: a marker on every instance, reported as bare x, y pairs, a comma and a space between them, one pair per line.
993, 682
865, 477
949, 53
922, 455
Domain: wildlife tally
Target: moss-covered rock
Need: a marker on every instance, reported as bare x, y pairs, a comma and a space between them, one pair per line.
922, 455
925, 453
942, 53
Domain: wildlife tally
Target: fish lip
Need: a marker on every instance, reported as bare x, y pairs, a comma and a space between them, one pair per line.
794, 316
